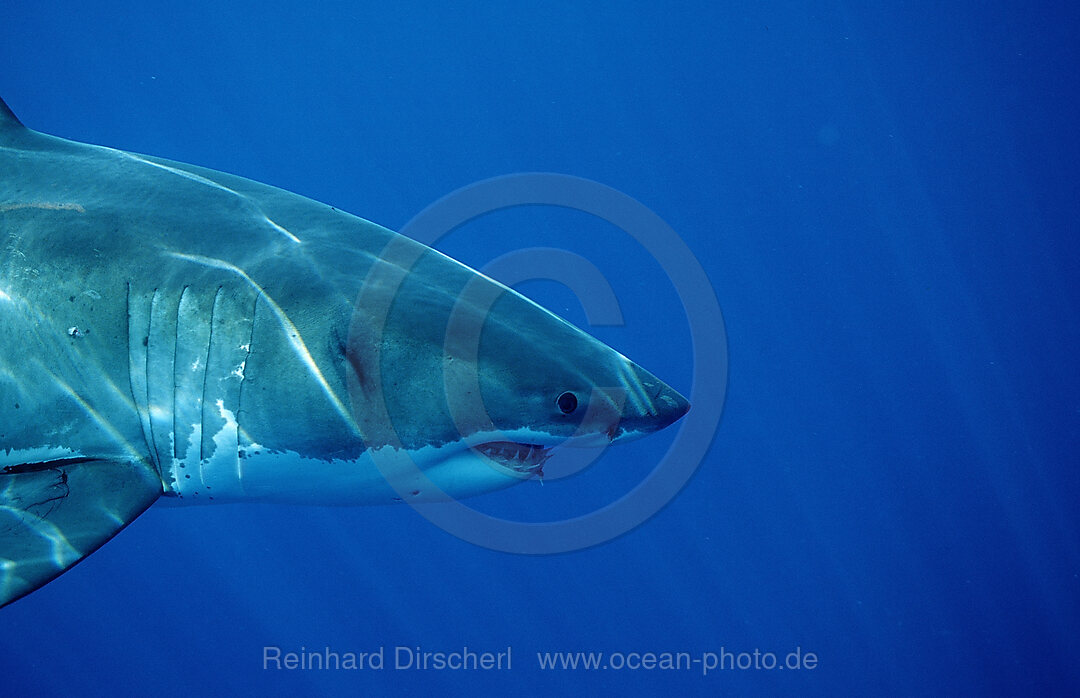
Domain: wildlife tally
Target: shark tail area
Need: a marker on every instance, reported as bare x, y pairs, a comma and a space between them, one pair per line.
54, 514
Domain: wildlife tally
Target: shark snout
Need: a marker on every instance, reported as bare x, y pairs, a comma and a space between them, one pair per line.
650, 404
668, 406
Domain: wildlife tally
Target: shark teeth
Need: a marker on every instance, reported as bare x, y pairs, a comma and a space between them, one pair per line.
522, 458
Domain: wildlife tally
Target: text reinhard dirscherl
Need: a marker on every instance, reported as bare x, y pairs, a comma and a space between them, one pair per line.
398, 658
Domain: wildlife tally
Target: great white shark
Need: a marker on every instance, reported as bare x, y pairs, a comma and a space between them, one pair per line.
172, 332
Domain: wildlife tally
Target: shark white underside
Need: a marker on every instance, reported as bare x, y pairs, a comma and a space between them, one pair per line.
485, 462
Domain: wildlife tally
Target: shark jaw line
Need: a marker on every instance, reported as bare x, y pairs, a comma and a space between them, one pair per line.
503, 457
522, 453
527, 459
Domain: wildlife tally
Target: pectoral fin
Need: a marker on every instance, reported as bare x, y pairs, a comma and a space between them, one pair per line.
56, 513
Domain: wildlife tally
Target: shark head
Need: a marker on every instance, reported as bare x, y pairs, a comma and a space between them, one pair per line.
484, 386
450, 382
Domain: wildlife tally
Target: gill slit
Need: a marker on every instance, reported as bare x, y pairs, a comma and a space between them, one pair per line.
156, 454
243, 377
175, 369
206, 375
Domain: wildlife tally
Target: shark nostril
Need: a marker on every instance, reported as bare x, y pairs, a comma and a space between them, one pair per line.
654, 404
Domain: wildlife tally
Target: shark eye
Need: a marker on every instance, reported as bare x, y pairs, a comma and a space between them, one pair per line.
567, 402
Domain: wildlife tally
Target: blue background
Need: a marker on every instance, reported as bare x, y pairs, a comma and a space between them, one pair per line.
884, 196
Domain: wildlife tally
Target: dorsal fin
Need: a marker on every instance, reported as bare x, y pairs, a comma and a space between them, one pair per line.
14, 135
8, 120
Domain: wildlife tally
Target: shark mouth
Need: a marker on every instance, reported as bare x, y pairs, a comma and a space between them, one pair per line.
527, 459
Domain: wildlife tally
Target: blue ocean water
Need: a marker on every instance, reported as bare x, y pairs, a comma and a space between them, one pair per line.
884, 198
